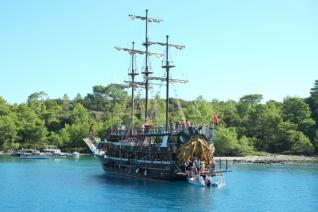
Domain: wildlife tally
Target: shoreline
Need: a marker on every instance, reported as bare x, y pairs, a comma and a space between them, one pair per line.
268, 159
67, 153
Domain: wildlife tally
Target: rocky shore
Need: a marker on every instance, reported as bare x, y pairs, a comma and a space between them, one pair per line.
269, 159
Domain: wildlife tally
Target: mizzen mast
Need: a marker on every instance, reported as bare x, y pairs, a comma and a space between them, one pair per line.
168, 66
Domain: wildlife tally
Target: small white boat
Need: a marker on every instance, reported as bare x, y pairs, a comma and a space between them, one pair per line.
54, 153
76, 154
216, 181
32, 154
197, 180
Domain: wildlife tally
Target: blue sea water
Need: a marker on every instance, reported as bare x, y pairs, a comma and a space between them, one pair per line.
81, 185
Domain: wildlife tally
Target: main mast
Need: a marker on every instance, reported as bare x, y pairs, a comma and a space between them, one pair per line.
146, 44
133, 84
146, 72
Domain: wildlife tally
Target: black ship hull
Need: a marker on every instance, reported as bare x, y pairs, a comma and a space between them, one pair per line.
152, 155
145, 169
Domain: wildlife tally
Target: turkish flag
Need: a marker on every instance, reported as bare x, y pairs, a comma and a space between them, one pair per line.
215, 118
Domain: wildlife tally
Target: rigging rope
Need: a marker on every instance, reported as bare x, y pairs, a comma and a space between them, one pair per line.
156, 105
181, 112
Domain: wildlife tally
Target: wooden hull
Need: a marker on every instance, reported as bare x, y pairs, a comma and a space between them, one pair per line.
145, 170
152, 154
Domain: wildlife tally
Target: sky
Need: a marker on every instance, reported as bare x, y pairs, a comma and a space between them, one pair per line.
233, 47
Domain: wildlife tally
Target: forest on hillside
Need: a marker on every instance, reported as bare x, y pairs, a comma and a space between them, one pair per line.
246, 127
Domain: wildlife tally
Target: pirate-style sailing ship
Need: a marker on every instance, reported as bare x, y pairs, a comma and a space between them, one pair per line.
151, 152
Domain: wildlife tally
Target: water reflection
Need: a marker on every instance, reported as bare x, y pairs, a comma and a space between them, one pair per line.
165, 194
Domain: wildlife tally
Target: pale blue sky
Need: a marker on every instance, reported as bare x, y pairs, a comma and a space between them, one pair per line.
233, 47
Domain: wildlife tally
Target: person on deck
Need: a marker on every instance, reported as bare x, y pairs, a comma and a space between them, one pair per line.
183, 124
202, 168
187, 123
189, 168
178, 126
172, 128
142, 129
196, 165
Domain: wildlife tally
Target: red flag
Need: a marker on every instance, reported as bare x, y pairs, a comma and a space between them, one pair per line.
216, 120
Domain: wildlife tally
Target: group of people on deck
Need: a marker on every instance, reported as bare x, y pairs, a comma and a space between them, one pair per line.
195, 167
179, 125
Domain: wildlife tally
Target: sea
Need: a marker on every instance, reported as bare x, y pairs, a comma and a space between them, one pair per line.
81, 185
